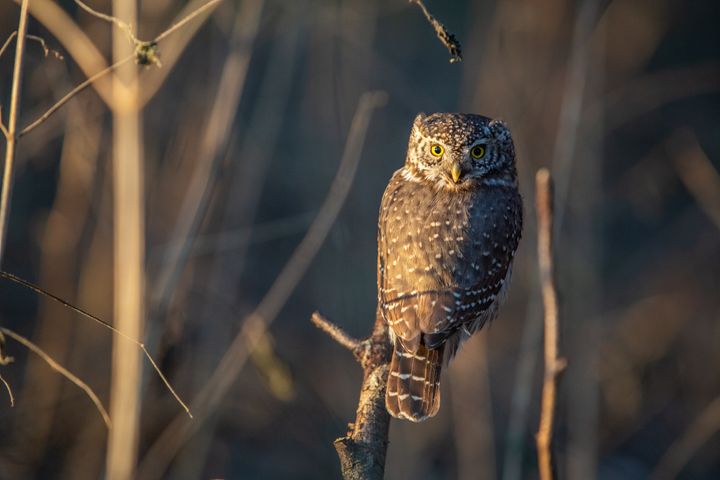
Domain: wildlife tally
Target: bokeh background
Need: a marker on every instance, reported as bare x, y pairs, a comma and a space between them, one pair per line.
621, 99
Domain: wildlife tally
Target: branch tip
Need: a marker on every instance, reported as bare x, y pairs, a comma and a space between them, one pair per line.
335, 332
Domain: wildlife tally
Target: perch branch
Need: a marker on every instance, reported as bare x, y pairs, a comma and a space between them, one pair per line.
553, 364
362, 451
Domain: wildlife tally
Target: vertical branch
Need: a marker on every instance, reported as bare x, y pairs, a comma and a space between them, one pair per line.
11, 136
553, 364
128, 245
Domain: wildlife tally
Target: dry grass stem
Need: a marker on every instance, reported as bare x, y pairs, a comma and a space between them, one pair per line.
335, 332
10, 134
62, 370
553, 364
446, 37
140, 345
46, 51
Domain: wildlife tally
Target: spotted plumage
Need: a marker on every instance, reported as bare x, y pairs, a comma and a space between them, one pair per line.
450, 223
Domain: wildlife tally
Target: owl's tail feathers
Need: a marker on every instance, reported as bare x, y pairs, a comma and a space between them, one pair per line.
413, 388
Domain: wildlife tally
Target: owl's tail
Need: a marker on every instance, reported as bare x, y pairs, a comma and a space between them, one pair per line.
413, 388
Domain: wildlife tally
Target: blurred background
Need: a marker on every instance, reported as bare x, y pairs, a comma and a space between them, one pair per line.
241, 142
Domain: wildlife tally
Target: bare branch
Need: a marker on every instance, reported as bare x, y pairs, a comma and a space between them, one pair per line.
446, 37
61, 370
40, 291
335, 332
362, 451
43, 45
553, 364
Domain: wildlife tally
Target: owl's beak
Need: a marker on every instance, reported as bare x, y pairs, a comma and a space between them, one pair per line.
455, 171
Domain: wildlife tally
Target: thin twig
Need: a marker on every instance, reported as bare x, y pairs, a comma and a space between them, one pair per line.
46, 49
7, 42
40, 291
68, 96
553, 364
92, 79
11, 138
9, 390
255, 324
190, 17
446, 37
335, 332
125, 27
62, 370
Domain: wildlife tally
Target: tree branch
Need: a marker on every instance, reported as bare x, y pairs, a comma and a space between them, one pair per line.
362, 451
553, 364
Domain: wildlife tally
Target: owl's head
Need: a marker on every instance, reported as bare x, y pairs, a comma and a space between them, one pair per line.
460, 151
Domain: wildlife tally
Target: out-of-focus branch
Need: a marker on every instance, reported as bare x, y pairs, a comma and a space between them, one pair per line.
128, 253
61, 370
682, 449
697, 173
11, 134
219, 125
255, 324
85, 53
553, 364
446, 37
362, 451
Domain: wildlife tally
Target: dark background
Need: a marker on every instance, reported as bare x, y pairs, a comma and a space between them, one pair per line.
621, 99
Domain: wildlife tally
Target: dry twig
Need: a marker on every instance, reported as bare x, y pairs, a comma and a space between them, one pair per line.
446, 37
141, 346
553, 364
61, 370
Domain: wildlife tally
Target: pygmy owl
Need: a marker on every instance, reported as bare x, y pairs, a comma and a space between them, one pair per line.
450, 223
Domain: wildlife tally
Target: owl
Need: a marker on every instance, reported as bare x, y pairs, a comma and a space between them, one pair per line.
450, 222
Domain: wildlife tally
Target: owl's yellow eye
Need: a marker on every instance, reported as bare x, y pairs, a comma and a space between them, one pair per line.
437, 150
478, 151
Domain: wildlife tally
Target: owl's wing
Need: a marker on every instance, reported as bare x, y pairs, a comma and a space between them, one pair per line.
472, 308
409, 300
